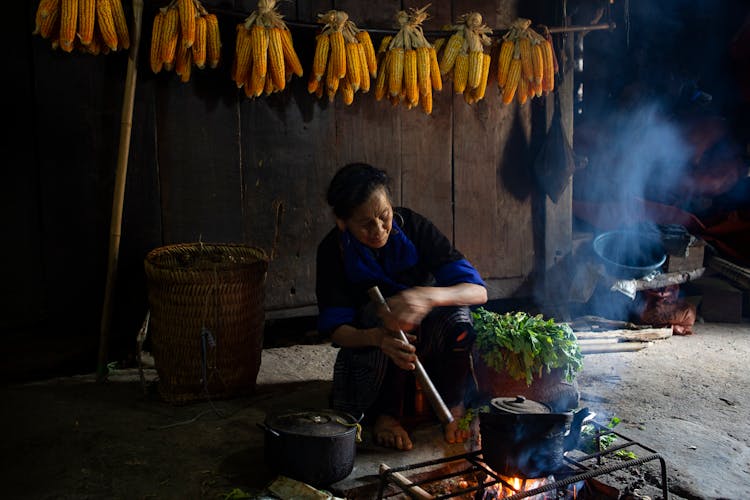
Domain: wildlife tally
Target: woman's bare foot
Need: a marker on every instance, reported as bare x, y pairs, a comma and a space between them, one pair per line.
452, 433
389, 433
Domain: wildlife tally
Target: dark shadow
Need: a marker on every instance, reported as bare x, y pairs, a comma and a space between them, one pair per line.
515, 171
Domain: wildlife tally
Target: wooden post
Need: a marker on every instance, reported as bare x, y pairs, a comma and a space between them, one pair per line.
118, 197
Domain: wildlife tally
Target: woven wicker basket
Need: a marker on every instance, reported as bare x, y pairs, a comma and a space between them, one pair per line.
207, 319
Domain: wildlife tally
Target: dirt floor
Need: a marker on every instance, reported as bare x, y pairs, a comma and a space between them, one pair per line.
73, 438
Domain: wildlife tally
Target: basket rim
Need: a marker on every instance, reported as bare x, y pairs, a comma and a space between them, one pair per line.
153, 256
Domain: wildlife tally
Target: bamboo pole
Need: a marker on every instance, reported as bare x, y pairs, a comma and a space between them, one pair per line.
115, 225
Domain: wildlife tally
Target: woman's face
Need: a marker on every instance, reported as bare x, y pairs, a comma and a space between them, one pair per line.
371, 222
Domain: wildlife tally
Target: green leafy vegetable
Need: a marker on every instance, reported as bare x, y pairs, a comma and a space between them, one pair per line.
465, 421
589, 437
525, 346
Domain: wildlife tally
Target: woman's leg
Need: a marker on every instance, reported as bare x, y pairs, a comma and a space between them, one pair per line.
389, 409
446, 337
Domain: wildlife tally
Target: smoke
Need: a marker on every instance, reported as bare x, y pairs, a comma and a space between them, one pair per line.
637, 153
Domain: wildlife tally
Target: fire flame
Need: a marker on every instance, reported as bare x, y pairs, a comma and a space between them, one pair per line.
513, 485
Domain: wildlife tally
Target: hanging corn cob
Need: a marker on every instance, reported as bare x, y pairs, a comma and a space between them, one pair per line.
408, 64
464, 57
525, 63
184, 34
90, 26
344, 58
264, 55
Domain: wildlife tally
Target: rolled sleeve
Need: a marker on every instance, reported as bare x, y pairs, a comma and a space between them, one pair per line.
457, 271
329, 318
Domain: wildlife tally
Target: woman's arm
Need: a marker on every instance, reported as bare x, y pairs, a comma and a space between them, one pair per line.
402, 353
410, 306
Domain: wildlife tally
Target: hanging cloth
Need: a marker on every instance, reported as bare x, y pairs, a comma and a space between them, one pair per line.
555, 162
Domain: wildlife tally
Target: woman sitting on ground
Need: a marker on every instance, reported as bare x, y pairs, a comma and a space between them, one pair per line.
429, 286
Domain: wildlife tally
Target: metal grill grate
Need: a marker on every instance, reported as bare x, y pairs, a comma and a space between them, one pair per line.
428, 475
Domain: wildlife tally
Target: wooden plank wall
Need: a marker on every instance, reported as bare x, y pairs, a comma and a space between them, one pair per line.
208, 164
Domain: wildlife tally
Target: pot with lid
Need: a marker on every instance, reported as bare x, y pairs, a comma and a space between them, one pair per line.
315, 446
524, 438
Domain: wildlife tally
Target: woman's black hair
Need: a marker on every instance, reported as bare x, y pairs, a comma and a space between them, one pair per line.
352, 185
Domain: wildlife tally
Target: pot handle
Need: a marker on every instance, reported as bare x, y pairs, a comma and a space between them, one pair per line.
266, 428
357, 425
580, 417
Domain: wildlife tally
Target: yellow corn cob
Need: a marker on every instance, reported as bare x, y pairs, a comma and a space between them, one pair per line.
522, 93
182, 62
312, 84
199, 44
364, 77
269, 87
527, 67
396, 71
548, 76
276, 58
476, 58
369, 49
381, 82
213, 40
503, 61
511, 83
188, 64
169, 36
68, 23
410, 76
332, 81
384, 43
426, 102
319, 92
290, 55
347, 91
86, 18
322, 47
452, 48
41, 7
156, 40
478, 92
186, 9
352, 65
438, 44
460, 73
95, 47
243, 55
436, 79
537, 62
538, 90
259, 39
423, 70
248, 89
106, 22
121, 24
255, 82
338, 53
48, 14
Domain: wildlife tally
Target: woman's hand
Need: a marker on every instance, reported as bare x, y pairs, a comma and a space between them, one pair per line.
408, 309
402, 353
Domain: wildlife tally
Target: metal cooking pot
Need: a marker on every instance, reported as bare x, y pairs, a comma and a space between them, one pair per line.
629, 253
523, 438
316, 446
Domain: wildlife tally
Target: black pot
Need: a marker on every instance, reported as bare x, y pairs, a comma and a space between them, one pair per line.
523, 438
316, 447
